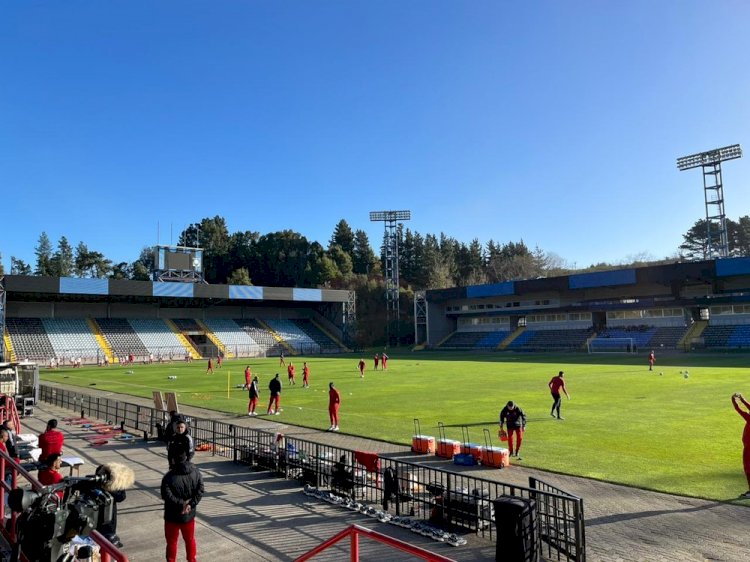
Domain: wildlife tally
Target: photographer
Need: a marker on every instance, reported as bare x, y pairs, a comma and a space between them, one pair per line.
181, 490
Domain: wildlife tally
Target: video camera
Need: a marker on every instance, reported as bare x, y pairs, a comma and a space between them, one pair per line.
48, 523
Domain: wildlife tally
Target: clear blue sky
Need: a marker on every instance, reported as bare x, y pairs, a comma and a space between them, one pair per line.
553, 122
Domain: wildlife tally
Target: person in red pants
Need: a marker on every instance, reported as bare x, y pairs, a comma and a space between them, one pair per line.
305, 375
248, 377
210, 368
290, 372
361, 367
515, 420
334, 401
745, 437
253, 394
274, 387
181, 490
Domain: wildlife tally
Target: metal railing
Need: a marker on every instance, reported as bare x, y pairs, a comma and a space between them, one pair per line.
354, 532
108, 551
400, 487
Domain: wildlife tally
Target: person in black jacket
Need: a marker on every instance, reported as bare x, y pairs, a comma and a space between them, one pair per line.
275, 389
181, 490
515, 419
181, 439
253, 394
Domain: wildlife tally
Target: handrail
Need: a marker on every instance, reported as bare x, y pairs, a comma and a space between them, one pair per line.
354, 532
108, 551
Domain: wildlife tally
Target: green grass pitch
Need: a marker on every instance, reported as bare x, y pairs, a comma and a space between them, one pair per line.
624, 424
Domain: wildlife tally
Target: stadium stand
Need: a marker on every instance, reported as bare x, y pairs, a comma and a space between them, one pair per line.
724, 336
157, 337
640, 335
668, 337
740, 337
549, 340
294, 336
717, 336
235, 339
72, 338
29, 339
265, 340
122, 338
474, 340
327, 345
187, 325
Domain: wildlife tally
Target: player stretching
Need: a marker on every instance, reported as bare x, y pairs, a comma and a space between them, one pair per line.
555, 386
745, 437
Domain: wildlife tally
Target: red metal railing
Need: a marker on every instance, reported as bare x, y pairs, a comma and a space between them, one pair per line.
355, 531
108, 551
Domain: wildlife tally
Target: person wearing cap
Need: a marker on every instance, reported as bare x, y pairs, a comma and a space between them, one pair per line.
556, 384
514, 419
51, 441
334, 400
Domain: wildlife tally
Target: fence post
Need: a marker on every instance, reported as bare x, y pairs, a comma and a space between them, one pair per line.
213, 439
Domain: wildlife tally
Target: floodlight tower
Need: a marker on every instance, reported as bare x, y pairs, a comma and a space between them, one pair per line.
391, 218
717, 241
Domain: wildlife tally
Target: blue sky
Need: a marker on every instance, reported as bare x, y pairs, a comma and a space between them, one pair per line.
553, 122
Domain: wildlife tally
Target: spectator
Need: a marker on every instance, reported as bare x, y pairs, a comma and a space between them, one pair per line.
181, 490
51, 441
181, 439
51, 474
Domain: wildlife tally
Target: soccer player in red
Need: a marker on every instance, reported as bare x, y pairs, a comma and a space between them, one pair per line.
361, 367
210, 366
290, 372
334, 400
248, 377
651, 360
219, 360
556, 384
384, 361
515, 419
305, 375
377, 360
745, 436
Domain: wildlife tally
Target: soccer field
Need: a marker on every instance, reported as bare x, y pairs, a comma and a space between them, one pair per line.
624, 424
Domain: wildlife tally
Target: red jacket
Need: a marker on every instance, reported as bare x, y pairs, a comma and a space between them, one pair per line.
51, 442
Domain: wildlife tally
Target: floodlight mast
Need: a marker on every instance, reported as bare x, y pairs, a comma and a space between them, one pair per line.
717, 240
390, 247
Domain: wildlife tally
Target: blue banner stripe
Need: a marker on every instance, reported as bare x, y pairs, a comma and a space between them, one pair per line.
167, 289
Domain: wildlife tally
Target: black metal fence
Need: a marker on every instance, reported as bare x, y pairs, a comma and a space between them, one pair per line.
402, 488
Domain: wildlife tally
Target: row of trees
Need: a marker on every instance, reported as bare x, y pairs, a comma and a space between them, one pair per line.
287, 258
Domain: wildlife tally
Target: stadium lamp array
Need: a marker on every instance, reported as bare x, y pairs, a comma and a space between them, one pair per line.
709, 157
